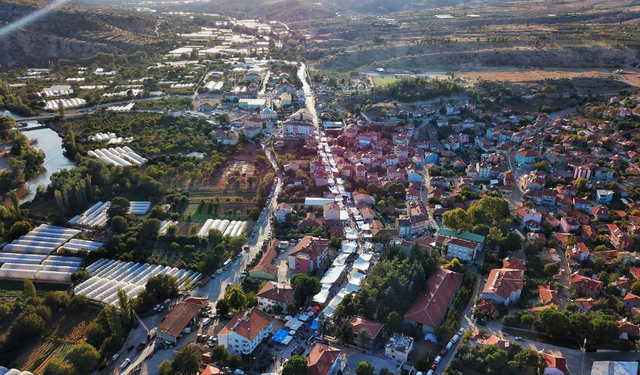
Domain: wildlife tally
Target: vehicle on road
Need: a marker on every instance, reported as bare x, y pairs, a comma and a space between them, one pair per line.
141, 346
443, 352
460, 331
437, 360
125, 363
204, 281
239, 255
115, 356
227, 262
219, 271
449, 345
130, 348
455, 338
206, 321
519, 338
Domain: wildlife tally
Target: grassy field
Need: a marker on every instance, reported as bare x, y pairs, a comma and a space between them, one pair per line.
13, 289
383, 81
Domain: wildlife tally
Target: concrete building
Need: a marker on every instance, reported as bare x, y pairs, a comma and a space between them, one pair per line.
245, 331
399, 347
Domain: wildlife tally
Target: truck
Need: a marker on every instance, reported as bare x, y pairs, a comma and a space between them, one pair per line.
204, 281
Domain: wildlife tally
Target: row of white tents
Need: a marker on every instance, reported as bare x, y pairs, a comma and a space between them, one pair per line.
54, 105
28, 257
122, 156
13, 371
109, 276
232, 228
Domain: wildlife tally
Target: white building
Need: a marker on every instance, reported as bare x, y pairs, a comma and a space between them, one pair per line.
464, 250
246, 331
273, 294
398, 347
281, 212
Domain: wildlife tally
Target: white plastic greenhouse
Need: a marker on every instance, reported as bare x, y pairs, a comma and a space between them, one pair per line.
76, 245
165, 224
108, 276
139, 207
124, 156
95, 216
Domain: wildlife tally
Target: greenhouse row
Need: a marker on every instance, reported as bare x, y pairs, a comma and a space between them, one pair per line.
44, 239
76, 245
139, 207
165, 224
109, 276
13, 371
54, 105
95, 216
122, 156
227, 228
53, 268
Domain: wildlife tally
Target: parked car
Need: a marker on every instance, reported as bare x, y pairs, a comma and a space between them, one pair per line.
437, 360
460, 331
157, 307
130, 347
443, 352
141, 346
519, 338
206, 321
125, 363
115, 356
449, 345
455, 338
167, 301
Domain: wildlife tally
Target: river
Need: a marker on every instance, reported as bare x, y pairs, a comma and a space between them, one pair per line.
51, 144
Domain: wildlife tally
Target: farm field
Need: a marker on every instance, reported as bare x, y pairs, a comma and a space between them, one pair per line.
383, 81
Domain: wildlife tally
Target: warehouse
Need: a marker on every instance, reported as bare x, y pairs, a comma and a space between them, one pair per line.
183, 315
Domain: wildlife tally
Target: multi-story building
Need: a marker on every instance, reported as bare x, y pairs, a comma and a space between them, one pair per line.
245, 331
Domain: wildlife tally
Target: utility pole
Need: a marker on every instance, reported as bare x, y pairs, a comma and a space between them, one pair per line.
584, 354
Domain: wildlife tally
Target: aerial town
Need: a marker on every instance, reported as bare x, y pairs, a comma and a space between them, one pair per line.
222, 206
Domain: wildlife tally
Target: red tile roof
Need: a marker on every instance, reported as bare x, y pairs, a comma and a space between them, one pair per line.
551, 361
358, 324
430, 306
548, 295
503, 281
321, 358
586, 283
181, 315
514, 263
276, 292
247, 324
500, 343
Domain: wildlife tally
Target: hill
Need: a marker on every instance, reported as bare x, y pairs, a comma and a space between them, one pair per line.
71, 32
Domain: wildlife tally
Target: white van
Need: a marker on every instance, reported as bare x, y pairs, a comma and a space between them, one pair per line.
455, 339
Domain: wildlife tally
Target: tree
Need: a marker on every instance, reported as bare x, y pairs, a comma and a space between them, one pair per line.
15, 202
345, 332
456, 219
394, 322
119, 207
603, 329
165, 367
635, 288
150, 228
363, 338
489, 210
219, 354
296, 365
83, 357
80, 276
494, 357
554, 322
495, 237
57, 366
581, 184
186, 360
364, 368
530, 359
29, 289
235, 297
95, 334
222, 307
119, 224
57, 299
162, 287
551, 269
454, 265
541, 165
19, 228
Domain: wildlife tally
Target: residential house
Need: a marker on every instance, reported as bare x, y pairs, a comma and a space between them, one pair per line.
245, 331
569, 224
309, 255
503, 285
604, 196
282, 211
272, 294
331, 212
359, 323
323, 360
464, 250
264, 270
631, 300
618, 238
548, 295
587, 285
628, 330
430, 307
